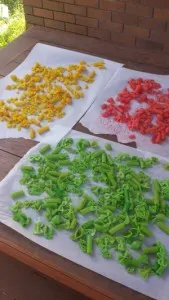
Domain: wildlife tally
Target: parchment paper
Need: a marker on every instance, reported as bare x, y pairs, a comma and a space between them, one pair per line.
52, 56
98, 125
62, 245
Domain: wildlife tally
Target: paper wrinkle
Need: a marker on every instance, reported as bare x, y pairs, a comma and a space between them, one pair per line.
156, 288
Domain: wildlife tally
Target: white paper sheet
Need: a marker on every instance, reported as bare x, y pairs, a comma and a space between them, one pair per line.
52, 56
99, 125
62, 245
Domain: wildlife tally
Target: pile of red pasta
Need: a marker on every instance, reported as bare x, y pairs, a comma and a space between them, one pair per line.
152, 115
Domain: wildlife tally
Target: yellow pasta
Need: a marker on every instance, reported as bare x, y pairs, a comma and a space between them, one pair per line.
32, 134
43, 94
43, 129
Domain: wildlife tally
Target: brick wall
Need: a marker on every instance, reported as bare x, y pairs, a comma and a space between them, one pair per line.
143, 24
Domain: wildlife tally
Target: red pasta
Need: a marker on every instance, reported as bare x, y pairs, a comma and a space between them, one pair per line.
152, 116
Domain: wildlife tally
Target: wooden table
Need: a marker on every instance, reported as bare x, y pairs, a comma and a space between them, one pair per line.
88, 283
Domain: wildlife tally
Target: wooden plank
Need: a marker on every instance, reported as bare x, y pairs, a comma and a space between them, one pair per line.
62, 270
18, 46
99, 47
8, 68
7, 162
21, 57
147, 68
19, 281
18, 147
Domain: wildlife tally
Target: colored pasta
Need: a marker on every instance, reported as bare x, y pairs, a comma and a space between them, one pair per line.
44, 94
110, 189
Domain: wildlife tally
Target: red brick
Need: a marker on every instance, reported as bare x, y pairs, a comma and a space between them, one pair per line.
129, 1
76, 28
28, 10
37, 3
87, 21
52, 5
99, 14
66, 1
152, 23
54, 24
108, 25
136, 31
75, 9
34, 20
99, 33
124, 18
122, 39
139, 10
112, 5
92, 3
149, 45
158, 36
60, 16
43, 13
156, 3
161, 14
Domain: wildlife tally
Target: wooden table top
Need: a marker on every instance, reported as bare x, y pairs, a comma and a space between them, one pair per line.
90, 284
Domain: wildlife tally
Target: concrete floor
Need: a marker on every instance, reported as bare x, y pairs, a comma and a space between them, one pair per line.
19, 282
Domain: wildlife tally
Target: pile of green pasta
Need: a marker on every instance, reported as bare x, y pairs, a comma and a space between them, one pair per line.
111, 193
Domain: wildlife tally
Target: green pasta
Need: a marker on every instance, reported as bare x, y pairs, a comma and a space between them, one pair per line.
89, 244
108, 147
45, 230
150, 250
166, 167
163, 227
38, 228
18, 194
156, 192
94, 144
45, 149
21, 218
52, 202
112, 210
117, 228
136, 245
27, 169
83, 203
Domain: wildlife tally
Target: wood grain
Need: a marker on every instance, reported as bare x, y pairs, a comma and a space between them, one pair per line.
7, 162
18, 46
62, 270
147, 68
18, 147
20, 282
8, 68
21, 57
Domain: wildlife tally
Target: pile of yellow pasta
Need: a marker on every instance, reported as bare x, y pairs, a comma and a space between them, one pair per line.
43, 94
